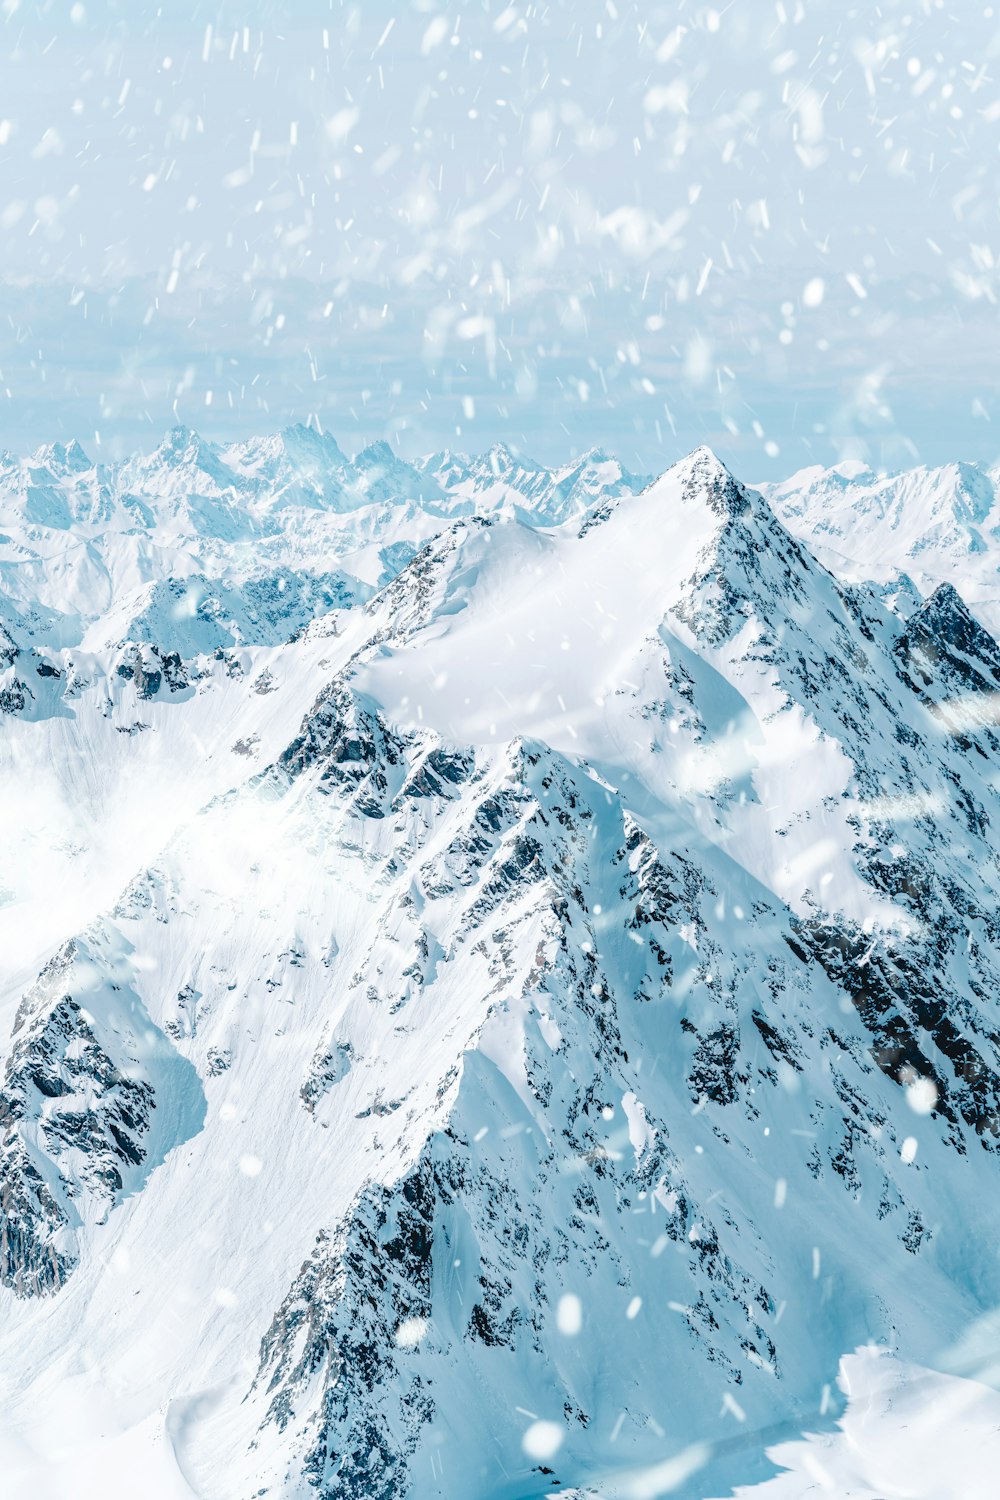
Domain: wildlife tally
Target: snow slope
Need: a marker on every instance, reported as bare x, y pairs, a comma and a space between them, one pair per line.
516, 1032
907, 1431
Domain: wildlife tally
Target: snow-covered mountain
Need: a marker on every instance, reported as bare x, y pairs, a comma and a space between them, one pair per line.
502, 480
264, 535
511, 1021
932, 525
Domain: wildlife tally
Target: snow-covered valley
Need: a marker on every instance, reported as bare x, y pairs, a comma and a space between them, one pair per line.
501, 977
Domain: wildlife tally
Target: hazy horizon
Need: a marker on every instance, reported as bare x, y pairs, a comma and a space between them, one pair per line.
765, 227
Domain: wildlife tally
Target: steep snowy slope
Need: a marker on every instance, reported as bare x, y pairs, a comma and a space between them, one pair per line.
567, 1030
907, 1431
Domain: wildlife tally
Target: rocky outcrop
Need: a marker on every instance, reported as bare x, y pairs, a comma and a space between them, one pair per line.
77, 1103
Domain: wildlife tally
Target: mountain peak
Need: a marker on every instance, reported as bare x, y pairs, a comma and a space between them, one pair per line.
944, 642
704, 462
183, 441
76, 455
69, 457
946, 615
703, 472
301, 434
945, 603
500, 459
975, 491
378, 453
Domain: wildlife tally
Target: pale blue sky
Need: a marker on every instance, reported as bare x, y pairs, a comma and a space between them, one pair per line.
769, 226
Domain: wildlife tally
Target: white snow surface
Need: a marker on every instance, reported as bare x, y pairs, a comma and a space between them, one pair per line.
500, 978
907, 1432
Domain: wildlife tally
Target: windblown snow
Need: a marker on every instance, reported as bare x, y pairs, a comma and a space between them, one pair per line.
501, 973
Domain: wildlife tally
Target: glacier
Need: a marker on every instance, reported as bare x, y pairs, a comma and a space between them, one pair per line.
501, 974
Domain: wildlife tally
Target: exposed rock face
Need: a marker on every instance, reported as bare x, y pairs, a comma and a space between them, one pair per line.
76, 1110
15, 695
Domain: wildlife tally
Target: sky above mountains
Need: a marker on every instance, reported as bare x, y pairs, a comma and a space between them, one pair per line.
769, 227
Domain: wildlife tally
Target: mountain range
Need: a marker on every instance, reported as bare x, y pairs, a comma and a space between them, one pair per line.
501, 977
